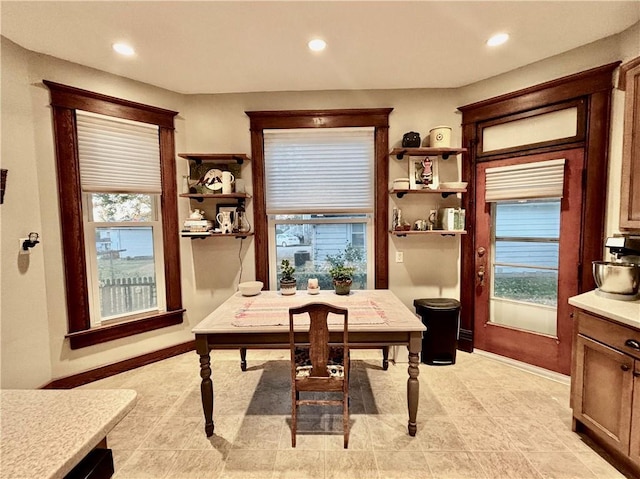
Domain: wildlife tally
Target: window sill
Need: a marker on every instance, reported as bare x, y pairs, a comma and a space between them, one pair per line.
102, 334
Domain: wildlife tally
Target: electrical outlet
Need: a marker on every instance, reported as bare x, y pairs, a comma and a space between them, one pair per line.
22, 251
399, 257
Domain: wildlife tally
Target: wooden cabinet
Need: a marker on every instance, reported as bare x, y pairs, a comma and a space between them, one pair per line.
444, 153
630, 197
606, 385
199, 164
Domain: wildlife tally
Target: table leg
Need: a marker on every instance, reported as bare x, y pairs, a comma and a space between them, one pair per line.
413, 387
385, 358
243, 359
206, 386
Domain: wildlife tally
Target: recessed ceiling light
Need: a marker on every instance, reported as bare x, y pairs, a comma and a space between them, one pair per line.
498, 39
317, 45
123, 49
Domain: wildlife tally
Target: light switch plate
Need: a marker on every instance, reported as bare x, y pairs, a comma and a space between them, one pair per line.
399, 257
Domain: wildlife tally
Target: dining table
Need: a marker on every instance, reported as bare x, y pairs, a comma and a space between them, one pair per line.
377, 319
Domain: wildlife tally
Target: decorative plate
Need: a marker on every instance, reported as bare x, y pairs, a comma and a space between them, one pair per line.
213, 179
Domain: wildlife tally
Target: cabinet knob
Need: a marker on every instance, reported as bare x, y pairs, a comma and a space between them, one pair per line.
624, 367
633, 344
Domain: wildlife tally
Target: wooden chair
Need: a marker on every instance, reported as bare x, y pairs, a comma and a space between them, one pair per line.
317, 366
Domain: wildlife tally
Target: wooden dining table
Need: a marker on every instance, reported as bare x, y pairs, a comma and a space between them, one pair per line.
377, 319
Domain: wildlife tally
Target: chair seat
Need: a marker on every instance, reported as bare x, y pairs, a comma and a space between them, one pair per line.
336, 356
334, 370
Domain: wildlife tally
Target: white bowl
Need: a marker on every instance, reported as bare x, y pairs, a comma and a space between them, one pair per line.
401, 184
453, 184
250, 288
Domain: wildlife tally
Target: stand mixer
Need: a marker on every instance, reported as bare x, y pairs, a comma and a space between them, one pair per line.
619, 279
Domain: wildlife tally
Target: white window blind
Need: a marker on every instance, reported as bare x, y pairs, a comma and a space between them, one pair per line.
319, 170
117, 155
540, 179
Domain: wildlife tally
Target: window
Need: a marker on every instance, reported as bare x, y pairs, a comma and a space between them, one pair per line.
363, 230
525, 264
118, 209
319, 188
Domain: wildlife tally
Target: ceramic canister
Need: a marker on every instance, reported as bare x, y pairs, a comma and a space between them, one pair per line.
440, 137
227, 182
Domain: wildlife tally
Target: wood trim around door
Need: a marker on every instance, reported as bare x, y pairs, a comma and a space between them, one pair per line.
594, 86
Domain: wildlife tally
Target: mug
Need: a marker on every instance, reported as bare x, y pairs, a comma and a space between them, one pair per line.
227, 181
420, 225
433, 219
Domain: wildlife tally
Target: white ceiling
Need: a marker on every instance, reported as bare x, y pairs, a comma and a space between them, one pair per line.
247, 46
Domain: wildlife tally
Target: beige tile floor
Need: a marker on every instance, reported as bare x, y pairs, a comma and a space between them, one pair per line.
479, 418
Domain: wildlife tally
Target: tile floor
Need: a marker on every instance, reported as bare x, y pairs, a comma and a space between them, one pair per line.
479, 418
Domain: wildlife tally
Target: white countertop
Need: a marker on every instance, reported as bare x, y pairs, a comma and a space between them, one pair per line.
45, 433
626, 312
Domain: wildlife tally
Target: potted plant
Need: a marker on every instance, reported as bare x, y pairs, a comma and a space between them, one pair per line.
287, 280
341, 274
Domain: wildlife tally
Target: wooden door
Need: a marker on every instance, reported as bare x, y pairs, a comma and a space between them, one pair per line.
603, 392
516, 334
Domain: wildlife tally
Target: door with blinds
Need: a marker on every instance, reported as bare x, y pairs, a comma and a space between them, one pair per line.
528, 218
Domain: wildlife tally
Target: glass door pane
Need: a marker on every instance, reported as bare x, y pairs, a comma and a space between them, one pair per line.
525, 245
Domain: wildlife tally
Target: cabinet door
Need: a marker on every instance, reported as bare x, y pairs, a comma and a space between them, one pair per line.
630, 199
635, 417
604, 389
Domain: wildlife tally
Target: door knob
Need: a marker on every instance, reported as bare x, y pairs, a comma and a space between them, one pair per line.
481, 275
481, 251
624, 367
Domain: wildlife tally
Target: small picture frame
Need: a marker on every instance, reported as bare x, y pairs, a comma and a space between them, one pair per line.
423, 173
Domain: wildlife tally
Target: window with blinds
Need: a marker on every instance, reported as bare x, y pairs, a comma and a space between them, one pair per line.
121, 184
319, 170
117, 155
319, 186
539, 179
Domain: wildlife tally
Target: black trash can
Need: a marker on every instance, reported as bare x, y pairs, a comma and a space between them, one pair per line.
441, 316
300, 257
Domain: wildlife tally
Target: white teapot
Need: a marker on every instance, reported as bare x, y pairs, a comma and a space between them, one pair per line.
196, 215
224, 219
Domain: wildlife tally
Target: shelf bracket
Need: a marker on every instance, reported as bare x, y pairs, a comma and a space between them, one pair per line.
238, 159
446, 194
445, 156
400, 195
400, 154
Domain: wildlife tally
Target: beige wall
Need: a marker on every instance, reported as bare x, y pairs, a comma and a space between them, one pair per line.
32, 301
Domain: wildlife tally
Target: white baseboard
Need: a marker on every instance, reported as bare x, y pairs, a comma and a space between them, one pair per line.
554, 376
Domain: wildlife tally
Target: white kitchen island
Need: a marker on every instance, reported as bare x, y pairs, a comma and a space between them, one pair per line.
46, 433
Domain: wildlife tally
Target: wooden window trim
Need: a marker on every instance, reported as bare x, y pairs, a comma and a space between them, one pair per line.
370, 117
64, 101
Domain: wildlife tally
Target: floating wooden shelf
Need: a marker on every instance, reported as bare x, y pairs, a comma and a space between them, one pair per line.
428, 232
443, 191
203, 196
217, 235
215, 157
444, 152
